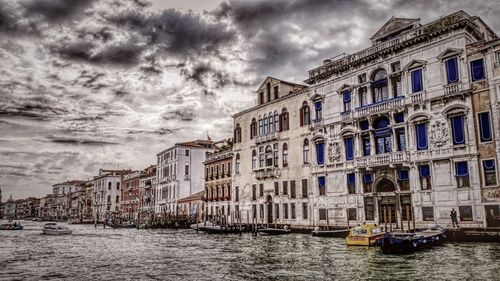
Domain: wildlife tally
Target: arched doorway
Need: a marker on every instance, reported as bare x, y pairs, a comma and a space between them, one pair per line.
387, 201
385, 185
269, 202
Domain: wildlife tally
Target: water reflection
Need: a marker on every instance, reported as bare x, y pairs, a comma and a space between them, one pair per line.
130, 254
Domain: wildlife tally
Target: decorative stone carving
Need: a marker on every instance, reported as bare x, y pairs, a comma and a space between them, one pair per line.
334, 153
439, 133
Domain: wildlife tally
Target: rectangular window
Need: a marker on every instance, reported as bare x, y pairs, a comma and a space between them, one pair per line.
351, 183
352, 214
187, 152
457, 128
451, 70
318, 108
462, 174
277, 211
465, 213
416, 81
428, 213
304, 188
321, 185
285, 211
322, 214
237, 193
366, 145
367, 183
254, 192
320, 153
425, 177
484, 126
369, 208
261, 189
186, 169
404, 179
397, 89
349, 148
276, 92
490, 174
363, 96
276, 188
292, 211
346, 97
304, 211
421, 135
401, 139
292, 189
285, 187
477, 70
362, 78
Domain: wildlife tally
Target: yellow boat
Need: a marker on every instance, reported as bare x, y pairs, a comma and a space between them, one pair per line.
364, 235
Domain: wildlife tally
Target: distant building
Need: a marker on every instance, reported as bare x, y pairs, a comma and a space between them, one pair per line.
61, 199
147, 188
107, 193
180, 173
10, 208
192, 205
45, 207
130, 195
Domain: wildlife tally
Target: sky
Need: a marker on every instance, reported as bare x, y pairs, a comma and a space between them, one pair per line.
94, 84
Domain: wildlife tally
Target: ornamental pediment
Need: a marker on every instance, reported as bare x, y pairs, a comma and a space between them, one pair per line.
449, 52
415, 64
393, 26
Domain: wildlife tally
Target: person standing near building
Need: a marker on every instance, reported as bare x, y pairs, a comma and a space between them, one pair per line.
453, 216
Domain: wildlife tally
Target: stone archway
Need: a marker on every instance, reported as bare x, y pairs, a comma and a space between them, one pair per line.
385, 185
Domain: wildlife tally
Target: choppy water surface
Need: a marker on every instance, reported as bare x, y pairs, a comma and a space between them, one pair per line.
130, 254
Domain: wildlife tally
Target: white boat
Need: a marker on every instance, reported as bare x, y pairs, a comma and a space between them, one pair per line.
52, 228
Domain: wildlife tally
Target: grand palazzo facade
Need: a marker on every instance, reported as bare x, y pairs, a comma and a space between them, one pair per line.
404, 130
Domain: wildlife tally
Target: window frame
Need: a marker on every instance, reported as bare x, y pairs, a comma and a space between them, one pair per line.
412, 85
472, 70
484, 172
479, 125
445, 62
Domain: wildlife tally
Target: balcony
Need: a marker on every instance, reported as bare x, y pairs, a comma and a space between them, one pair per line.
346, 115
454, 88
268, 172
380, 106
383, 159
267, 137
317, 123
417, 97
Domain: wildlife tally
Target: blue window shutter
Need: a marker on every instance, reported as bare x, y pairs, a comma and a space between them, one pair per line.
416, 81
404, 175
367, 178
425, 171
452, 70
346, 96
318, 105
489, 165
484, 126
321, 181
421, 130
461, 169
320, 153
349, 149
351, 178
477, 70
457, 127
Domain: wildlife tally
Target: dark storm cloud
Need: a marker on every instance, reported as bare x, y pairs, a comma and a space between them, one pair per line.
53, 10
200, 72
78, 140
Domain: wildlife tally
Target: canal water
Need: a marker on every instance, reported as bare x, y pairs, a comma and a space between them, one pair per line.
130, 254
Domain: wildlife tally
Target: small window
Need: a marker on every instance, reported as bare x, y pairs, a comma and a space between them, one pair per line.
276, 188
285, 211
484, 126
322, 214
465, 213
285, 155
451, 70
490, 174
304, 188
276, 92
261, 189
320, 153
322, 185
351, 183
187, 152
425, 177
428, 213
416, 81
277, 211
367, 183
292, 211
352, 215
421, 135
362, 78
349, 148
254, 192
462, 174
186, 169
346, 98
458, 130
117, 186
292, 189
477, 70
304, 211
117, 198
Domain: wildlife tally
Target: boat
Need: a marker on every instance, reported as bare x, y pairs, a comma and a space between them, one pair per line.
403, 242
53, 228
215, 229
364, 235
11, 226
339, 233
274, 231
121, 225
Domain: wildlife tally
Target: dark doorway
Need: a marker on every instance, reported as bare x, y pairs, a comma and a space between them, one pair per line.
387, 209
269, 202
492, 215
385, 185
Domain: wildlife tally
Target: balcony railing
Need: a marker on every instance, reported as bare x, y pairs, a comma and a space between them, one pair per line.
268, 172
380, 106
417, 97
346, 115
453, 88
383, 159
267, 137
317, 123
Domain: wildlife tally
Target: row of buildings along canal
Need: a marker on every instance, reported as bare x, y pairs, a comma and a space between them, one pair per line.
408, 126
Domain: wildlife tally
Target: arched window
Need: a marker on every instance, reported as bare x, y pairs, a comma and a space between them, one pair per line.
253, 128
383, 135
264, 120
237, 165
284, 126
254, 159
379, 85
237, 133
276, 126
305, 152
260, 126
270, 122
305, 114
269, 156
285, 155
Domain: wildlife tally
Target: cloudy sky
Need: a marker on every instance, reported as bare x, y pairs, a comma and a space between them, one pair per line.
89, 84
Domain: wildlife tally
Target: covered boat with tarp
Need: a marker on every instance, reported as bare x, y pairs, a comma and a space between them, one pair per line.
402, 242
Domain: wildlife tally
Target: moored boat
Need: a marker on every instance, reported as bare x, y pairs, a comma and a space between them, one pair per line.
11, 226
274, 231
215, 229
53, 228
364, 235
128, 224
401, 243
